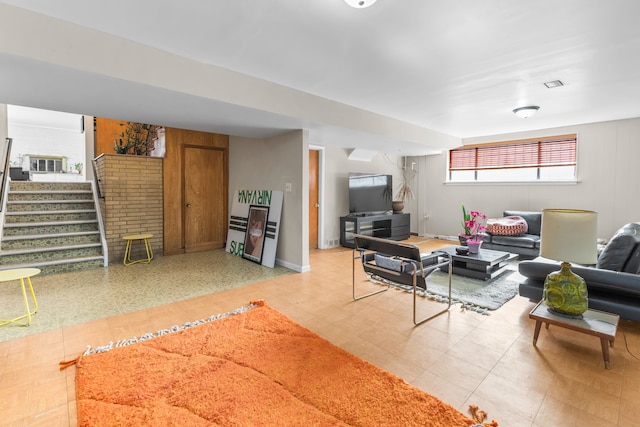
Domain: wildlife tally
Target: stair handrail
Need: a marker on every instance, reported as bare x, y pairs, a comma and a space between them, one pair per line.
4, 186
103, 237
5, 173
96, 179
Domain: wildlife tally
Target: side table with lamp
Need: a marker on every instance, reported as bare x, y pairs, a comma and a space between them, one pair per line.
570, 235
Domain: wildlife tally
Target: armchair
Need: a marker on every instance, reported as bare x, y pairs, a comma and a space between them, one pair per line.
397, 263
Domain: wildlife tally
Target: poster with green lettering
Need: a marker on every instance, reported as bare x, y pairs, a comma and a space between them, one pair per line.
249, 236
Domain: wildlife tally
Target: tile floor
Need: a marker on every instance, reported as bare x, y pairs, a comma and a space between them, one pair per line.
462, 357
78, 297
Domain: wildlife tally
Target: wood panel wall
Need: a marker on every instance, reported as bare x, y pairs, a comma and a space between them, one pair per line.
106, 131
173, 178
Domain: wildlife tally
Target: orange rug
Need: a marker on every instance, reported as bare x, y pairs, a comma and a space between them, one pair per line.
254, 368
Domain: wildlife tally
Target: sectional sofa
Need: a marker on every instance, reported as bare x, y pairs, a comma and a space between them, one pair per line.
526, 245
613, 283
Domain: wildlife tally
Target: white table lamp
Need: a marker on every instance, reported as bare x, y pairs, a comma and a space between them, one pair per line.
568, 235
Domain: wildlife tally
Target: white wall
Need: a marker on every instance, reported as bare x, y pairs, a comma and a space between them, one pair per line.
608, 175
273, 162
4, 132
336, 190
45, 133
269, 164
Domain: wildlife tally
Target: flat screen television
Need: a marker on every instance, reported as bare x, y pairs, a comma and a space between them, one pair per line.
370, 193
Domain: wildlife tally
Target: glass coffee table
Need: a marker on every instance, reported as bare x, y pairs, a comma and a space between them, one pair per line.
484, 265
593, 322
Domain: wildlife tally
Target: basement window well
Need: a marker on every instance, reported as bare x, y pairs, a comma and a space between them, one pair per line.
548, 159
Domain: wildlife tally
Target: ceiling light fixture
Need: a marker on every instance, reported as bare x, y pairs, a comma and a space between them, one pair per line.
359, 4
526, 112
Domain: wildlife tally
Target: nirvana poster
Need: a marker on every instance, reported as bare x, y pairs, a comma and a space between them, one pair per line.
254, 225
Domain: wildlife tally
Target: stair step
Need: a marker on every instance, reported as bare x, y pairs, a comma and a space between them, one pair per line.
31, 196
48, 224
51, 226
50, 240
48, 201
49, 186
51, 217
25, 255
26, 207
47, 249
50, 195
51, 191
60, 265
74, 211
48, 205
49, 235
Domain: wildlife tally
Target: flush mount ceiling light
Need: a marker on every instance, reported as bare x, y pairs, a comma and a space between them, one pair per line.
359, 4
525, 112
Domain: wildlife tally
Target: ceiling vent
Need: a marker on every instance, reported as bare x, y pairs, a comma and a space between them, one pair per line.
554, 83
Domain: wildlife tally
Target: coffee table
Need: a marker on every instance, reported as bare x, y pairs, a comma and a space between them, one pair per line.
593, 322
485, 265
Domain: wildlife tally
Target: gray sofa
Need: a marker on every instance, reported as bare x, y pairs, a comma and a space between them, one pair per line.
526, 245
613, 283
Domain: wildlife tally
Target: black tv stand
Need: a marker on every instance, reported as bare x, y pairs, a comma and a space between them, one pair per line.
385, 226
359, 214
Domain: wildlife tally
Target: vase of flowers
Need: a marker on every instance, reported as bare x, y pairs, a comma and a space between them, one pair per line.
474, 224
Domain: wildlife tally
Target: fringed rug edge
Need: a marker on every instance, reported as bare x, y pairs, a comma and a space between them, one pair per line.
150, 335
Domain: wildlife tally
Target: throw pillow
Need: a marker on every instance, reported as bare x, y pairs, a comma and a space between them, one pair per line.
389, 263
619, 250
507, 226
616, 252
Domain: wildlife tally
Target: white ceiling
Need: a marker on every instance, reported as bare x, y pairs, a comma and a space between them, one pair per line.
454, 66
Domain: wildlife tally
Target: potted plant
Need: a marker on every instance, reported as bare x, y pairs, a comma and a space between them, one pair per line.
137, 138
474, 225
404, 193
78, 166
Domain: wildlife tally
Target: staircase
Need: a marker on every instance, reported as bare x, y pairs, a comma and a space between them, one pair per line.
55, 227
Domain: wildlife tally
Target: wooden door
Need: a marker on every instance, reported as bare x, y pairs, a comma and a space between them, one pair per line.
313, 198
204, 209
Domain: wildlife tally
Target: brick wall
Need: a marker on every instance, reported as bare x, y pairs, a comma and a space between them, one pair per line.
131, 190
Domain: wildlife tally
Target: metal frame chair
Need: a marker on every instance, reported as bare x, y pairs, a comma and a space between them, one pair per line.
411, 269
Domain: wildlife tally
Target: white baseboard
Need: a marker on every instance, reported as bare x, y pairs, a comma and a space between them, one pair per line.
294, 267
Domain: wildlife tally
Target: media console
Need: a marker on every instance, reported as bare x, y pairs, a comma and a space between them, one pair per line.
393, 226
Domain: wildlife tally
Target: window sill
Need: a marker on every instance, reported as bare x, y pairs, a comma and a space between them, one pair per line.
572, 182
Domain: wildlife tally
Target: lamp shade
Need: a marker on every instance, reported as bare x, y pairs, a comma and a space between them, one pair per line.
569, 235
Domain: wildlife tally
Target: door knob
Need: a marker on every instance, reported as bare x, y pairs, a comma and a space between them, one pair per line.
188, 205
317, 205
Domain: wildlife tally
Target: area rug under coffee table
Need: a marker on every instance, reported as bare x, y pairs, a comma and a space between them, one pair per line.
472, 294
253, 366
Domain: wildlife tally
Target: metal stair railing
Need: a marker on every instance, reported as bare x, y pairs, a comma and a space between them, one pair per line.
4, 185
95, 189
6, 154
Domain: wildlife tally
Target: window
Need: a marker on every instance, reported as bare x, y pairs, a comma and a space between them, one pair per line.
540, 159
43, 164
